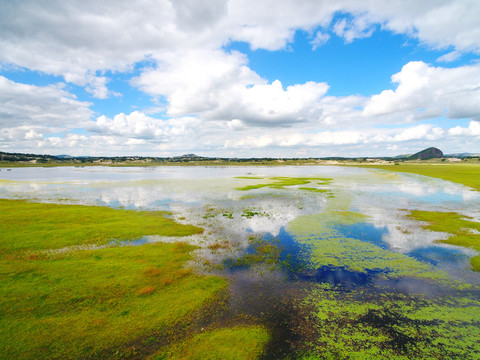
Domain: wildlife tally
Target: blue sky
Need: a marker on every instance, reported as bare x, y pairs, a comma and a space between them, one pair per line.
239, 78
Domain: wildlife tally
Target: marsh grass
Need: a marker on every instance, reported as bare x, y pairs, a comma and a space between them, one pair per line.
463, 232
220, 344
92, 303
36, 226
466, 174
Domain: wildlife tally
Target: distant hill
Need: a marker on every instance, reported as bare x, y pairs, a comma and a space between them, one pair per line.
430, 153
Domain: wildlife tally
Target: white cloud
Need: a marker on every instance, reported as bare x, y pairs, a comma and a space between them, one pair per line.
320, 39
23, 104
426, 92
81, 39
220, 86
215, 101
450, 57
137, 125
472, 130
358, 28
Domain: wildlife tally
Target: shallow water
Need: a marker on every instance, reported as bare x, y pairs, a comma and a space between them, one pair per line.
287, 251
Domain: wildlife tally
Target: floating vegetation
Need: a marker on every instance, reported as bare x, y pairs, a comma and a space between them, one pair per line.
280, 182
363, 324
463, 231
332, 247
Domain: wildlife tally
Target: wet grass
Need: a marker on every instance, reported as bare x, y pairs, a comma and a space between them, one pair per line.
31, 227
240, 342
466, 174
463, 231
103, 303
280, 182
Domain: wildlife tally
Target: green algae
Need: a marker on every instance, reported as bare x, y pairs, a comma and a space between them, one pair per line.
329, 247
280, 182
363, 325
463, 232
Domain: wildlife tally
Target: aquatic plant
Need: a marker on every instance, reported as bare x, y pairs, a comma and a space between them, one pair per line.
463, 231
280, 182
366, 324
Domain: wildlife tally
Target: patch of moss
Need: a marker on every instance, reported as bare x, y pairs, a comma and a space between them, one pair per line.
93, 303
88, 302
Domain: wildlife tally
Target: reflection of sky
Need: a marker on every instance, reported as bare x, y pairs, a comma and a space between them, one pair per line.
187, 191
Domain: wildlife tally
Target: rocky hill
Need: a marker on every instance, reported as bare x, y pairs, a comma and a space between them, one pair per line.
430, 153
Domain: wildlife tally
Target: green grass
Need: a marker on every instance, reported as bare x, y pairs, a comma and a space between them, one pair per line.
463, 231
240, 342
35, 226
280, 182
466, 174
103, 303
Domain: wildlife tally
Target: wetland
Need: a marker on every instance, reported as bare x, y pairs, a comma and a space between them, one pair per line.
244, 262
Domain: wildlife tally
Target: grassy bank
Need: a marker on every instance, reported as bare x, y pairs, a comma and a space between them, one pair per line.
115, 302
35, 226
466, 174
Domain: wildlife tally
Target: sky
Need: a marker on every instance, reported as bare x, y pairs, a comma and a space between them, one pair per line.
239, 78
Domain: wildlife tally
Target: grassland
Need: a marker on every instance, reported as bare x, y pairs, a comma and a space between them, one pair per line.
107, 303
467, 174
35, 226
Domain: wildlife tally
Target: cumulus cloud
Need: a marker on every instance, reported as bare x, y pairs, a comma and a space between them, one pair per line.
210, 98
81, 39
426, 92
137, 125
23, 104
473, 129
220, 86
